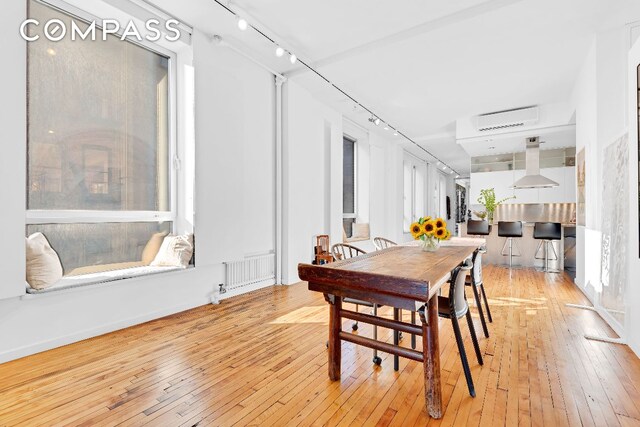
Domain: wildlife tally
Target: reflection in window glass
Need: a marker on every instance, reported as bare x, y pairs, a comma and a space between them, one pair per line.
98, 123
348, 185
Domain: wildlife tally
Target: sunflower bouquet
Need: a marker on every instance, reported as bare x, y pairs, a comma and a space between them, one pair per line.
430, 231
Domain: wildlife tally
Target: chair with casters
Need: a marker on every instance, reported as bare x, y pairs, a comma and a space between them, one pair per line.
342, 251
455, 307
381, 243
476, 283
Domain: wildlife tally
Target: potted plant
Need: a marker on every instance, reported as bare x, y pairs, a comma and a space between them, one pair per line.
488, 200
430, 231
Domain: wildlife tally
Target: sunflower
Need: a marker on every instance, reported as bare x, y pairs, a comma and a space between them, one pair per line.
440, 223
416, 230
428, 228
440, 233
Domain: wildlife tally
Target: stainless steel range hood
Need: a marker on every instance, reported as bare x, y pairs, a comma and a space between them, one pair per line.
532, 178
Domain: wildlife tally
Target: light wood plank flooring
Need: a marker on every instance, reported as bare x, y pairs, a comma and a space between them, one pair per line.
260, 359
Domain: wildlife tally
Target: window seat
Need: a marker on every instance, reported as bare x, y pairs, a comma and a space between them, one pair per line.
87, 276
356, 239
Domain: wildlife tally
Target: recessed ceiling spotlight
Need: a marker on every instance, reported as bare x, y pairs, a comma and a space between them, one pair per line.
395, 133
279, 51
439, 163
457, 176
242, 24
51, 51
51, 132
293, 58
444, 168
377, 121
450, 172
386, 127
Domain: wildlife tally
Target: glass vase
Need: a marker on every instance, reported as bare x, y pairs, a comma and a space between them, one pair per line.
430, 244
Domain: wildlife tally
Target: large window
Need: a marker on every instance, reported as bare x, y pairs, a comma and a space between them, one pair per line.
348, 185
100, 179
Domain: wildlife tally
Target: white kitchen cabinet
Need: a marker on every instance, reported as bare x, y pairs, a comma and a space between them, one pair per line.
501, 181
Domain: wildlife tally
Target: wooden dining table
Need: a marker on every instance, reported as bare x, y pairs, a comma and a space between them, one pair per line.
403, 277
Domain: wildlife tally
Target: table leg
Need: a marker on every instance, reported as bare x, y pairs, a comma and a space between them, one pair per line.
396, 340
431, 351
413, 336
335, 326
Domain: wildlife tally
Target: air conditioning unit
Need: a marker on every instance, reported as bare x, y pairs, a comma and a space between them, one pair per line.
507, 119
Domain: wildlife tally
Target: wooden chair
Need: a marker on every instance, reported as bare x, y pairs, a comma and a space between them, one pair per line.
323, 255
477, 284
455, 307
381, 243
342, 251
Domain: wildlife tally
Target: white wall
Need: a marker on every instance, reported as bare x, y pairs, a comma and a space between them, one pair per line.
633, 291
234, 111
13, 159
600, 98
312, 162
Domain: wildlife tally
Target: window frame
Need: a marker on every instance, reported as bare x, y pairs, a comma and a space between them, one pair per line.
72, 216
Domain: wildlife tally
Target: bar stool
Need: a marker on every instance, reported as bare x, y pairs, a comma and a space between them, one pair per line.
478, 227
547, 232
510, 230
476, 283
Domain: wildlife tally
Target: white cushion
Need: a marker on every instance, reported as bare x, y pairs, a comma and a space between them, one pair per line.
176, 251
360, 231
152, 247
43, 264
113, 276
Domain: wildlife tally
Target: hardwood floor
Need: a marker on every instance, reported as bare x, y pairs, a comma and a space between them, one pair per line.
260, 359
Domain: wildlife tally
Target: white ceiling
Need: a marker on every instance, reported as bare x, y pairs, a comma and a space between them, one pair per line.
419, 64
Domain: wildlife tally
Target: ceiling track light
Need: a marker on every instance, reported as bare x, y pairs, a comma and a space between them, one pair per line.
279, 51
242, 23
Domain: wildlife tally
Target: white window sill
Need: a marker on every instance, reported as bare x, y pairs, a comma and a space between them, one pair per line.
74, 284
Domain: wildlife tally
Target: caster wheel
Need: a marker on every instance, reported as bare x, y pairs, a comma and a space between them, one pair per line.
377, 360
354, 327
327, 344
399, 336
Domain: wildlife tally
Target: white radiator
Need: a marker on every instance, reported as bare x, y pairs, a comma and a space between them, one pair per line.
249, 271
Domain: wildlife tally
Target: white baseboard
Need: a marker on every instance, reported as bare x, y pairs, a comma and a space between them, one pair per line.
101, 330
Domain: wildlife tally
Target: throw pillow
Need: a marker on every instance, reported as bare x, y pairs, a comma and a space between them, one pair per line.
43, 264
175, 251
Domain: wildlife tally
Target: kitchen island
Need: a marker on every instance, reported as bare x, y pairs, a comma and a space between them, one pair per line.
525, 246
